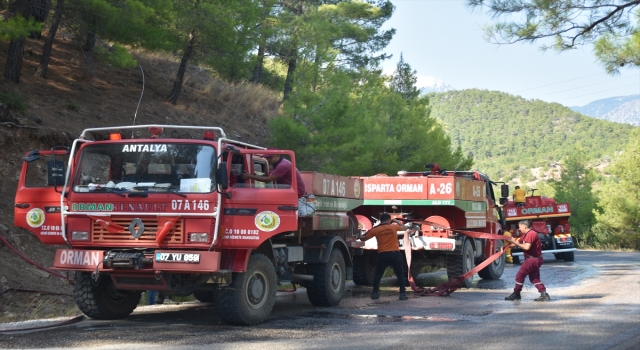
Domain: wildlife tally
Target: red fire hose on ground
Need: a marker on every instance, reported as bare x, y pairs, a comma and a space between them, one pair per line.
447, 288
4, 240
72, 320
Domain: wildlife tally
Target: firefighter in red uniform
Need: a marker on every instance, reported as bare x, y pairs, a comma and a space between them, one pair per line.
388, 253
532, 249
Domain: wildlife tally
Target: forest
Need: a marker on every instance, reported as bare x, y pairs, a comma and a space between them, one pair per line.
338, 111
508, 135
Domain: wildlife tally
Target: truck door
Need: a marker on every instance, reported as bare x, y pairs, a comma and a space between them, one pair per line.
256, 210
37, 201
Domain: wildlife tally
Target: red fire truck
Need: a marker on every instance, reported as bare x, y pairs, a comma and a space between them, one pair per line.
439, 205
173, 215
549, 219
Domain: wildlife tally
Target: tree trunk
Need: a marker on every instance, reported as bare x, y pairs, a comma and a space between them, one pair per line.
39, 11
257, 71
14, 60
293, 60
177, 83
288, 83
90, 43
314, 84
46, 49
13, 67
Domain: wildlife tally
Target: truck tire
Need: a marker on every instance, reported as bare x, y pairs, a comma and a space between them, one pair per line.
364, 268
101, 300
494, 270
251, 295
328, 285
558, 256
458, 265
568, 256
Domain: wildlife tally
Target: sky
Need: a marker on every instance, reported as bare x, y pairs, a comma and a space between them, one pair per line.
443, 39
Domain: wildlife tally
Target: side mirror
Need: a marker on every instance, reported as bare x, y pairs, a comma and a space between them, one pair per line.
504, 190
504, 201
222, 178
32, 156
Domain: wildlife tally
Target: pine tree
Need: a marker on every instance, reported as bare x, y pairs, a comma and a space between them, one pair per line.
403, 81
575, 186
611, 24
620, 197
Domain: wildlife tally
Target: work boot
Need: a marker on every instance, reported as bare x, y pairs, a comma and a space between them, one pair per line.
513, 296
543, 297
375, 295
403, 296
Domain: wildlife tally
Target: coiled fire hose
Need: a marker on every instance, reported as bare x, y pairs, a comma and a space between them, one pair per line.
447, 288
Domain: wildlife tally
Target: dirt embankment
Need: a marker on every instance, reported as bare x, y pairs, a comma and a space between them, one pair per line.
79, 94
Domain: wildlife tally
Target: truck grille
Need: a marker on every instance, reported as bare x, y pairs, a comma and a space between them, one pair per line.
100, 234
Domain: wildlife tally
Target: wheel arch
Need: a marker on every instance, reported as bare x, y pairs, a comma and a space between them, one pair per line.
266, 248
317, 249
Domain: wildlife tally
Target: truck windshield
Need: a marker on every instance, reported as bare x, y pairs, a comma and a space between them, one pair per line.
150, 167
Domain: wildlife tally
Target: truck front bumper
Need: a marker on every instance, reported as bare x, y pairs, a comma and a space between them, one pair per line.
159, 260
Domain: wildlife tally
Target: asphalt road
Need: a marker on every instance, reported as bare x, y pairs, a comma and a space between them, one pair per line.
595, 304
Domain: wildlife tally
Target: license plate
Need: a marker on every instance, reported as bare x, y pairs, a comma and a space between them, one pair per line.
190, 258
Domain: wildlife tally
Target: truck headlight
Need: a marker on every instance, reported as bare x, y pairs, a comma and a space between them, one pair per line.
199, 237
79, 235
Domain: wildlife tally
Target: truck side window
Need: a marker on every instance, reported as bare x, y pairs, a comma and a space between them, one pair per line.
37, 171
259, 168
237, 168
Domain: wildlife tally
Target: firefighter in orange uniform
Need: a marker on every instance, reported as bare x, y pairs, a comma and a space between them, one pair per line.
388, 253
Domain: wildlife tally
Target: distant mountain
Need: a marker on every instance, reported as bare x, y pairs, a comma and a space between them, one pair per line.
599, 108
509, 135
432, 84
628, 113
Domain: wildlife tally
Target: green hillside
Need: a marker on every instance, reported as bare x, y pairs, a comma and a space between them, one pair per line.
507, 133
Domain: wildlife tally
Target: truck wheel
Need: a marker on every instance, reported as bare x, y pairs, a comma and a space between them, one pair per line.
568, 256
327, 287
364, 268
251, 296
494, 270
458, 265
516, 260
558, 256
101, 300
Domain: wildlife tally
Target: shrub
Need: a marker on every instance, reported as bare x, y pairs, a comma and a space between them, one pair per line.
73, 106
601, 236
14, 101
117, 56
594, 237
